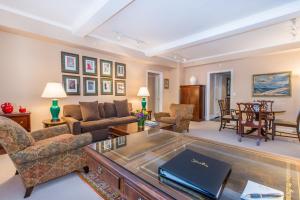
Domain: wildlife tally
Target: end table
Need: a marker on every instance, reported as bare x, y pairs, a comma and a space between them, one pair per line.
48, 123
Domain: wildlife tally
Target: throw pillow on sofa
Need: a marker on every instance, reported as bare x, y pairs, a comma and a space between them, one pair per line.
89, 111
122, 108
110, 110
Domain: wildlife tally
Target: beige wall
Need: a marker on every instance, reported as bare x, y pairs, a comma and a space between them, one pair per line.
27, 64
242, 78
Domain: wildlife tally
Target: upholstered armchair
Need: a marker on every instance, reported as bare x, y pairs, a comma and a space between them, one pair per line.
180, 115
44, 154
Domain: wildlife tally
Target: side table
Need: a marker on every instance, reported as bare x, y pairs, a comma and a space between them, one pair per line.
48, 123
21, 118
149, 114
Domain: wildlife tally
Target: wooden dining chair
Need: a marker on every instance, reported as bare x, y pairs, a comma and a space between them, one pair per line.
285, 123
227, 116
267, 105
248, 118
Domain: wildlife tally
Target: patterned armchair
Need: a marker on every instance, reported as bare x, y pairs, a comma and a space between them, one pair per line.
44, 154
180, 115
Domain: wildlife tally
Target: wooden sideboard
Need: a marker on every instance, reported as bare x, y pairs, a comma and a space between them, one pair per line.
21, 118
194, 94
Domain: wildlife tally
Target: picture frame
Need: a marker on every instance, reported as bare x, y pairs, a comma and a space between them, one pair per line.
71, 84
90, 86
89, 66
121, 141
69, 63
272, 84
106, 68
120, 70
106, 86
166, 83
120, 88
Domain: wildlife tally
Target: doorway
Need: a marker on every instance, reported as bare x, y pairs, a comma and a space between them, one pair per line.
219, 88
154, 85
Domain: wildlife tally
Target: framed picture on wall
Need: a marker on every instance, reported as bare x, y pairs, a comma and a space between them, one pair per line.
106, 68
120, 89
272, 85
69, 63
106, 86
90, 86
71, 84
120, 70
166, 83
89, 66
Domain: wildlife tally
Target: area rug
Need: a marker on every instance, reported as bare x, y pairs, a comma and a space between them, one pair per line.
99, 186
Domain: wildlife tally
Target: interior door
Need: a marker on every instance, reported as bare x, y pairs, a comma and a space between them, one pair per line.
218, 86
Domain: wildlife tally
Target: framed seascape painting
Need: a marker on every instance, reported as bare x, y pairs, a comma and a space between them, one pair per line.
69, 63
120, 71
106, 68
71, 84
90, 86
120, 89
89, 66
272, 85
106, 86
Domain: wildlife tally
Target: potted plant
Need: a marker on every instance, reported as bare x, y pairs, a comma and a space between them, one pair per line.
141, 116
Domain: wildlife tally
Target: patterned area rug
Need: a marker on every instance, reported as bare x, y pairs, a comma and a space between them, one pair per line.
99, 186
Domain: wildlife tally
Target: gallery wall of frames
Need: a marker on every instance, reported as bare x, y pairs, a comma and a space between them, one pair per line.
110, 78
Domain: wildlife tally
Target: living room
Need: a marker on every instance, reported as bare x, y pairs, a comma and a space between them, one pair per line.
117, 80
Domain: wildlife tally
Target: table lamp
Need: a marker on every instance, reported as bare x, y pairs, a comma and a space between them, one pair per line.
143, 92
54, 91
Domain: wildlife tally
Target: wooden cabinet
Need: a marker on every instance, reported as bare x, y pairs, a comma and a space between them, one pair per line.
194, 94
21, 118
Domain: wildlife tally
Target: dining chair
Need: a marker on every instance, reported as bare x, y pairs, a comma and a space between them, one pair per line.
227, 116
252, 118
285, 123
267, 105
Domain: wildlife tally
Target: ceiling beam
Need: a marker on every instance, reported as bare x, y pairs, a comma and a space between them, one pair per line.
259, 20
244, 53
97, 15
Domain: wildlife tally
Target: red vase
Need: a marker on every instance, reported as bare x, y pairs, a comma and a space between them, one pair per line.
22, 109
7, 108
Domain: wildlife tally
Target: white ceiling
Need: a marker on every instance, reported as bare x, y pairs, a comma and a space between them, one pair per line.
187, 31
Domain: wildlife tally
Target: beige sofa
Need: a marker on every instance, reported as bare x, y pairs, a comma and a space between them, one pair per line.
98, 128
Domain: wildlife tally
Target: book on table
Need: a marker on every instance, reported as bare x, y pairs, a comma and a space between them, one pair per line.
197, 172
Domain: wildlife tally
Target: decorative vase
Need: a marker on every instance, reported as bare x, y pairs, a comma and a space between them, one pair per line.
141, 123
193, 80
7, 108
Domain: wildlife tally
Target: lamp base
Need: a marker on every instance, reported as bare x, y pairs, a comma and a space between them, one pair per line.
144, 103
55, 109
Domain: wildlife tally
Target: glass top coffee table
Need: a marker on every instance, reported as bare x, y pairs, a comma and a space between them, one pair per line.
127, 129
142, 153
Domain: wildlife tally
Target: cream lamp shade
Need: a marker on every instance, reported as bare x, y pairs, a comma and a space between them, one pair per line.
54, 91
143, 92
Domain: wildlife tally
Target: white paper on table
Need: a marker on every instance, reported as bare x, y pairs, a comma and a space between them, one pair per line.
253, 187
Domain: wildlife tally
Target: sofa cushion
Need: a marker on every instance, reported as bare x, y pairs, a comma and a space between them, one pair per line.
13, 136
169, 120
110, 110
72, 111
125, 120
89, 126
122, 108
89, 111
101, 110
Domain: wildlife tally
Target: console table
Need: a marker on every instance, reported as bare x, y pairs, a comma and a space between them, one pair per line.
129, 164
21, 118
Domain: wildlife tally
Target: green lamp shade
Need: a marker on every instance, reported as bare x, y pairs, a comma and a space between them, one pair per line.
55, 109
